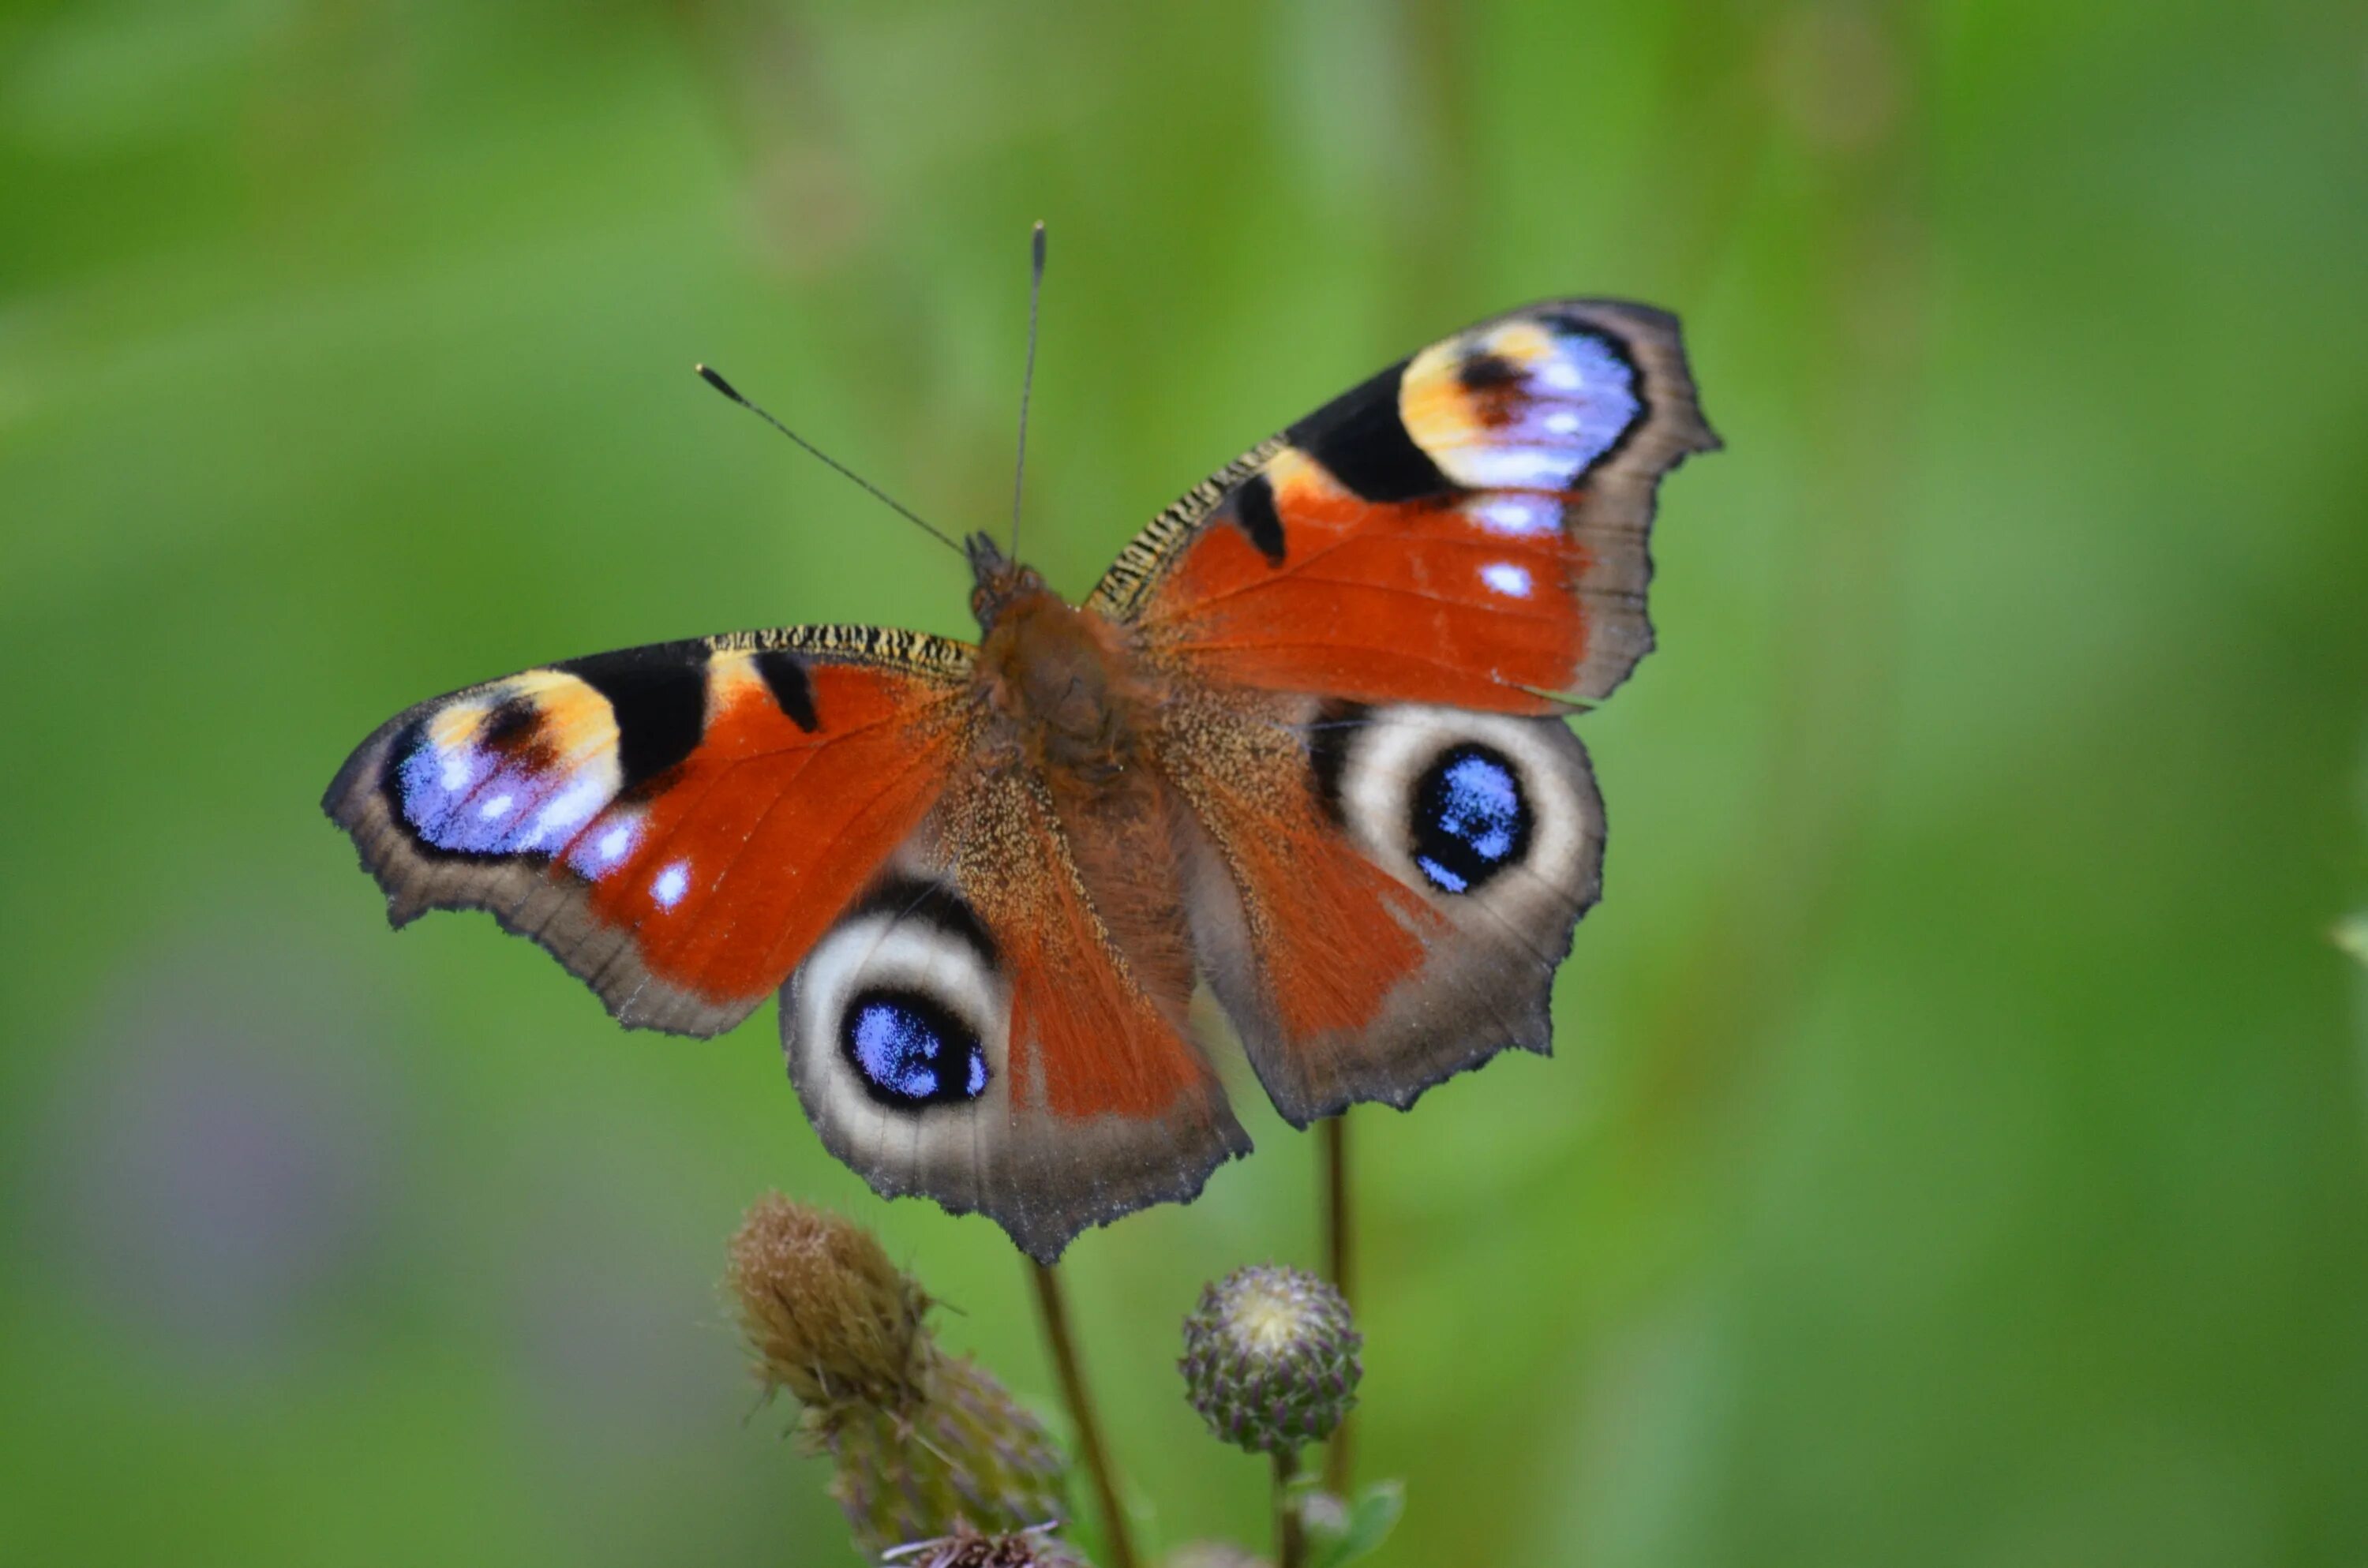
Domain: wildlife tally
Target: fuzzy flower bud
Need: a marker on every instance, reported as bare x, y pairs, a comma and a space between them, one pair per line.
830, 1318
924, 1444
1270, 1358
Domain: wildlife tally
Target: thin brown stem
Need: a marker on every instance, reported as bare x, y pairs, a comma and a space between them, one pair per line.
1290, 1539
1340, 1259
1052, 1306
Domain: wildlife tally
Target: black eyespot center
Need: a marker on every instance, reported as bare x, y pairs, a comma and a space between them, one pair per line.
512, 726
1471, 819
910, 1051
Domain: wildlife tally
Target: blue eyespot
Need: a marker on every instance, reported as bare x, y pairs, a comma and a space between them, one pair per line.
911, 1052
1470, 818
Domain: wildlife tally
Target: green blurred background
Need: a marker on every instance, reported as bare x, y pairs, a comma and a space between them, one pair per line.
1956, 1152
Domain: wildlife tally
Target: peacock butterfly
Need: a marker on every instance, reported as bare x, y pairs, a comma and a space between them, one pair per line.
1305, 740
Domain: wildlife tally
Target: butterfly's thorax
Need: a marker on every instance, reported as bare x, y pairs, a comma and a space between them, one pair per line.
1065, 686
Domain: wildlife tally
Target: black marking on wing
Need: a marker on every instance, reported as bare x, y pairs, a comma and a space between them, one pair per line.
1329, 736
785, 677
1360, 437
1495, 385
659, 696
1484, 372
933, 903
1254, 512
512, 726
390, 787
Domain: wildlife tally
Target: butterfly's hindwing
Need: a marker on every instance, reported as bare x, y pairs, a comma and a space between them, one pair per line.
972, 1031
1383, 894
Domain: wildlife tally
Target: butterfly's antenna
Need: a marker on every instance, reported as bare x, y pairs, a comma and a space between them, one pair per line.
728, 389
1028, 377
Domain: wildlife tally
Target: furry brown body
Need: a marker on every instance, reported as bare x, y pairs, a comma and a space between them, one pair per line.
1069, 701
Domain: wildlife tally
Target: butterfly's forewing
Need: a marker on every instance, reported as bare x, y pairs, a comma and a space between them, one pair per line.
1466, 529
981, 1029
1374, 622
676, 824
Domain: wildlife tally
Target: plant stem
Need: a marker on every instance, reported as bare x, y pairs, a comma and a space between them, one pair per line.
1118, 1549
1340, 1260
1290, 1543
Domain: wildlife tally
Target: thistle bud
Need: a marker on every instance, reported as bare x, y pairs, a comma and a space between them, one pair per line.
1270, 1358
829, 1317
924, 1444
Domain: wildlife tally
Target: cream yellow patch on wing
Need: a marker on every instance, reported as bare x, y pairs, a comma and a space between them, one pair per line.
576, 719
1297, 478
1439, 411
732, 679
571, 717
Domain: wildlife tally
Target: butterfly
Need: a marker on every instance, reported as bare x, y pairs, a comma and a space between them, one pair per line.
1304, 740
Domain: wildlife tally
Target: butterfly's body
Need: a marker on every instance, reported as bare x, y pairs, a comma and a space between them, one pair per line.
1304, 741
1064, 692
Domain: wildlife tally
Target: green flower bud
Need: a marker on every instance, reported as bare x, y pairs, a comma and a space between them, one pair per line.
965, 1456
1270, 1359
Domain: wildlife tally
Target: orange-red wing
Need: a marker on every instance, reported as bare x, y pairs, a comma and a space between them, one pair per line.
678, 824
998, 1023
1467, 529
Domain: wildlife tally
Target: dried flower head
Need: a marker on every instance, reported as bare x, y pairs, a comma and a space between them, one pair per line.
1270, 1358
830, 1318
924, 1443
1028, 1549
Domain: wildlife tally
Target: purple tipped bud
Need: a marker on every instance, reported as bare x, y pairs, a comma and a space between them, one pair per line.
1270, 1358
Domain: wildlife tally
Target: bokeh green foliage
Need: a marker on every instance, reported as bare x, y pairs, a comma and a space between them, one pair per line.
1954, 1151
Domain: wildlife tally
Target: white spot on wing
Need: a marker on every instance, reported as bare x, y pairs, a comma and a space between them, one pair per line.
497, 805
1516, 515
671, 884
1507, 578
597, 854
458, 768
